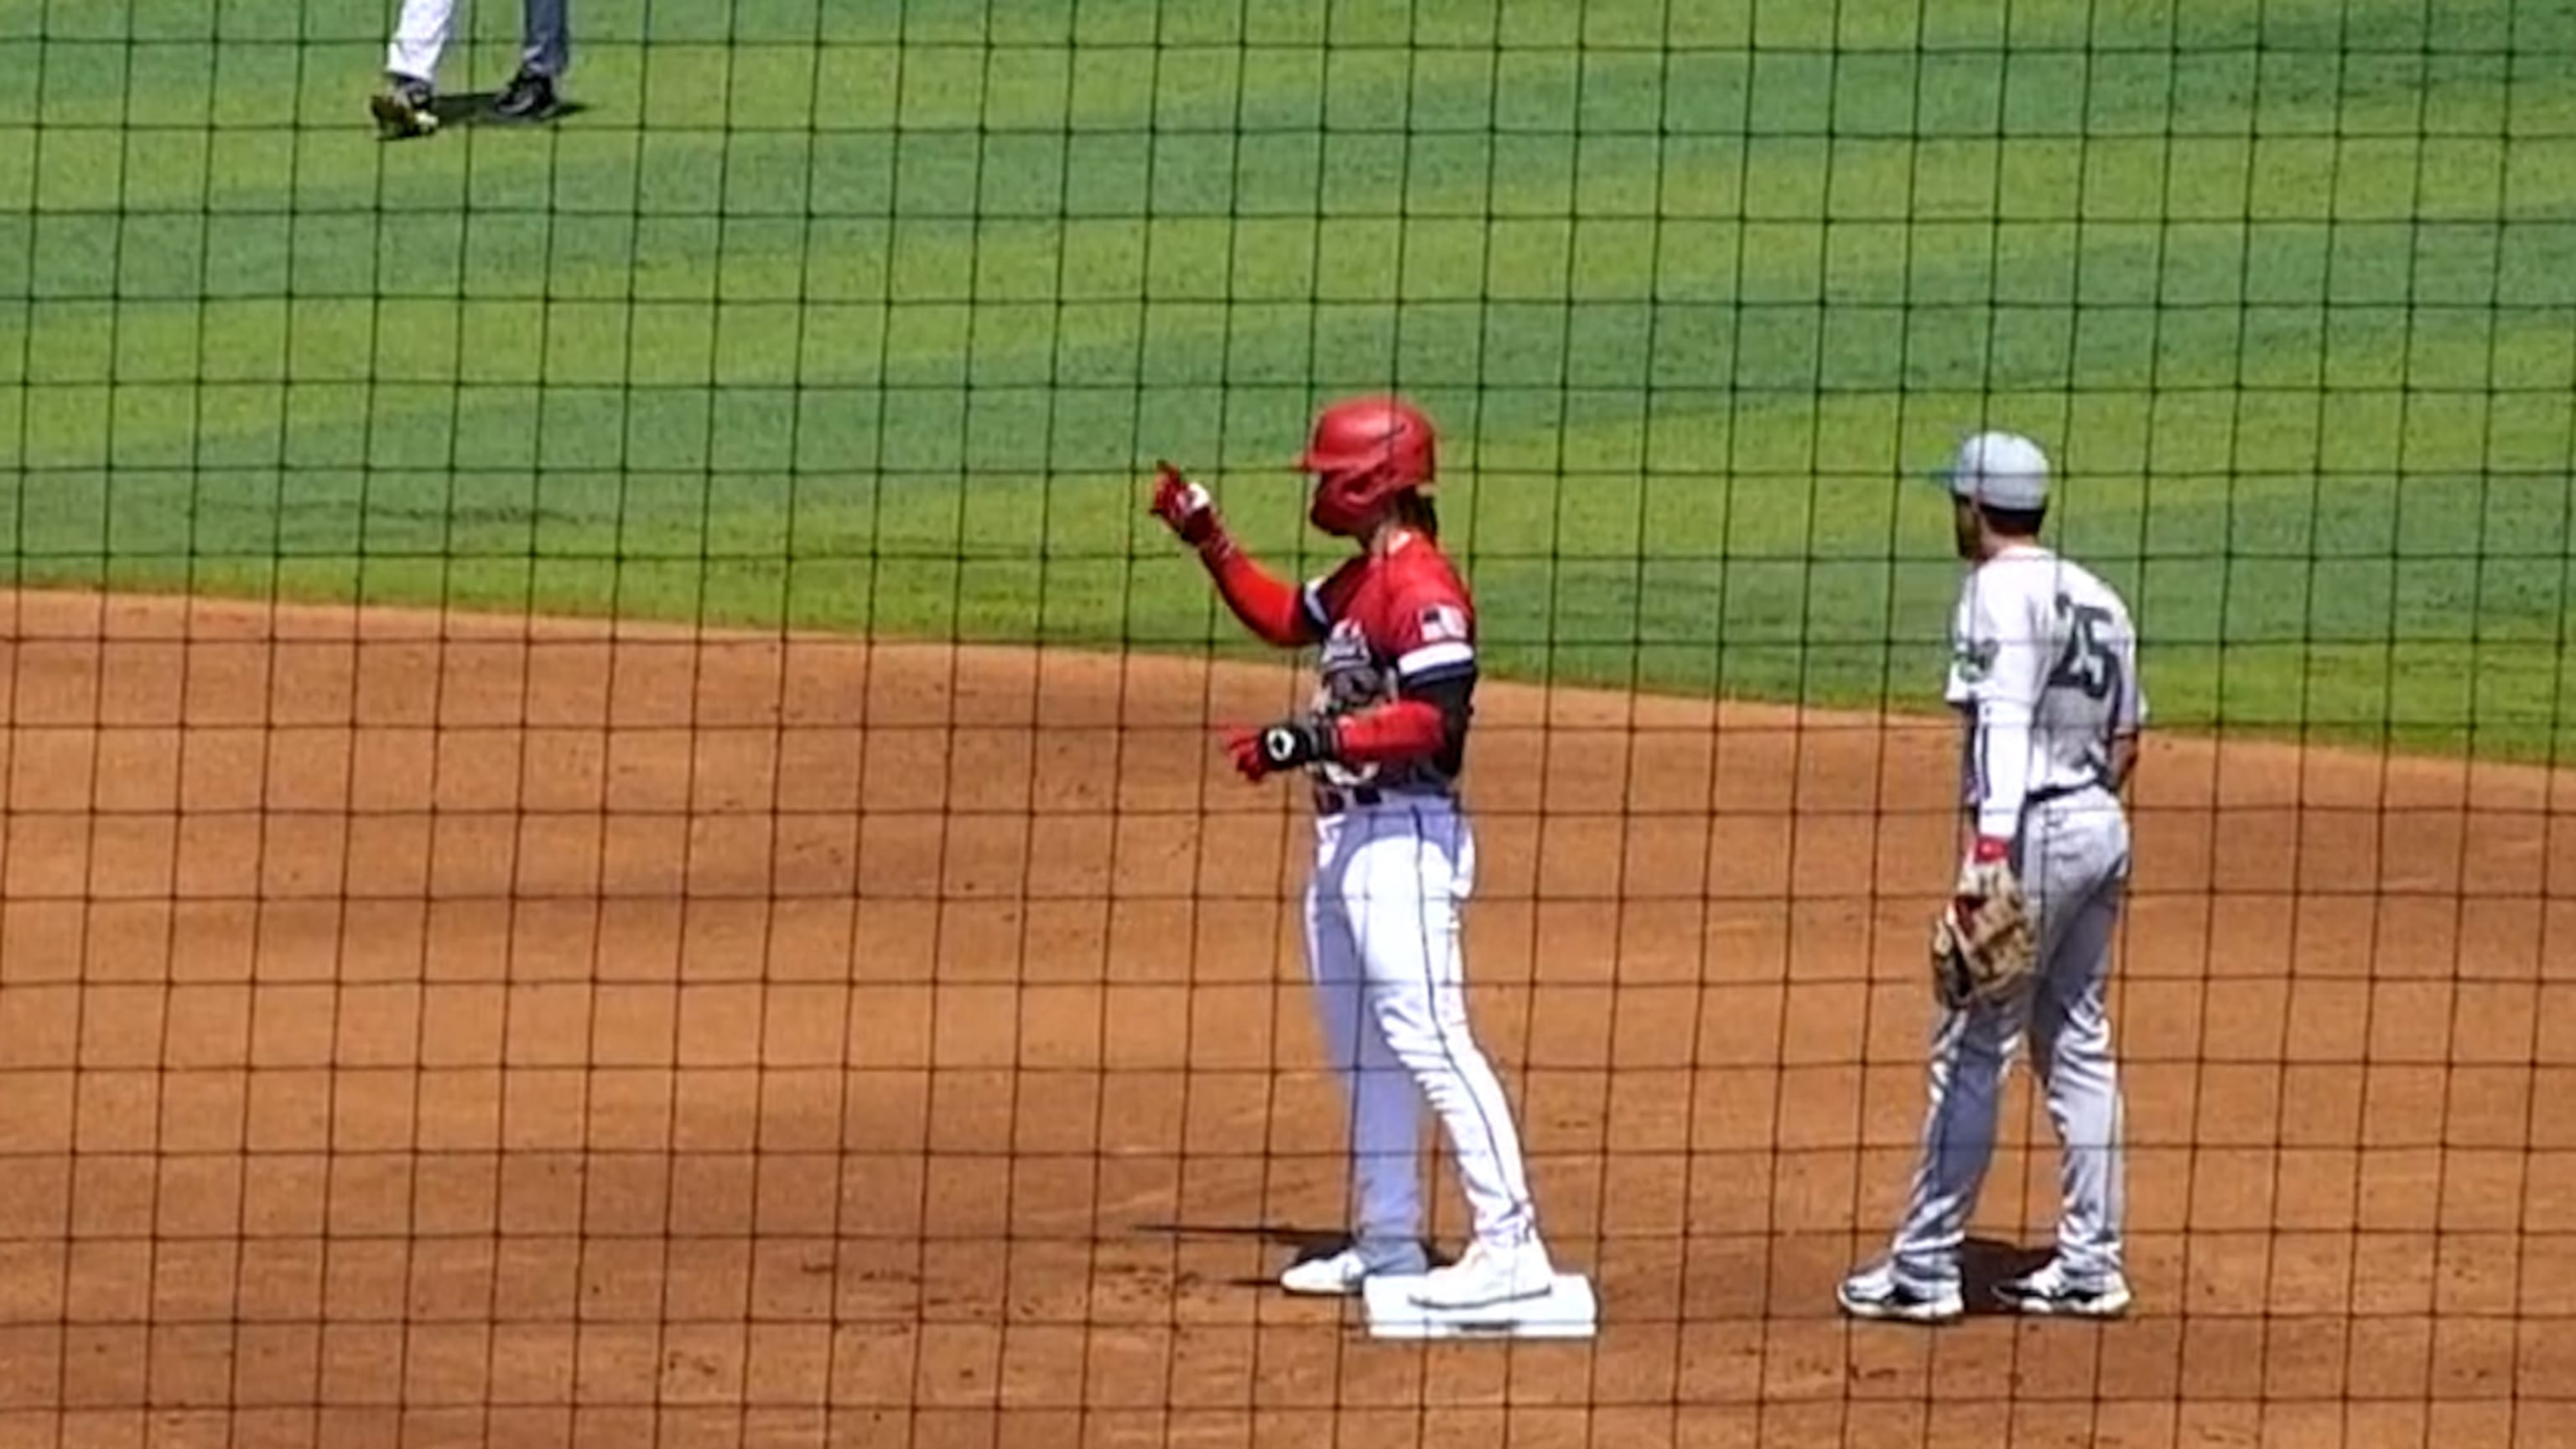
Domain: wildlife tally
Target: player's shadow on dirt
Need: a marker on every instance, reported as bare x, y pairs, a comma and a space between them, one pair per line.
474, 108
1985, 1262
1301, 1244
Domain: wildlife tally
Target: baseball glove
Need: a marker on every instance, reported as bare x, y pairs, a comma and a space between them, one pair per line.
1982, 946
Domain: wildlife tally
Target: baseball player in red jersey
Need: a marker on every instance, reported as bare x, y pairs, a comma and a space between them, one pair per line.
1381, 748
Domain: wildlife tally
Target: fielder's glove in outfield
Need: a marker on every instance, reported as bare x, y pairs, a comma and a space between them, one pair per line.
1283, 746
1184, 506
1983, 948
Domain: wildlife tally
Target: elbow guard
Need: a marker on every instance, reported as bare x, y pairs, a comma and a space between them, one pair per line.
1452, 693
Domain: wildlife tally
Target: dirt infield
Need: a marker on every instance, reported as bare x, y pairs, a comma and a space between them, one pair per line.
468, 1031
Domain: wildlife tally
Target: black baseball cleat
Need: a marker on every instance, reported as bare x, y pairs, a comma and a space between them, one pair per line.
530, 97
402, 108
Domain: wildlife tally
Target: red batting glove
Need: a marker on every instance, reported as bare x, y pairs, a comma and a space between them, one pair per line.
1249, 761
1184, 506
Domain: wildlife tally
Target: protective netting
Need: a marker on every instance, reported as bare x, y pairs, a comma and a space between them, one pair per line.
614, 831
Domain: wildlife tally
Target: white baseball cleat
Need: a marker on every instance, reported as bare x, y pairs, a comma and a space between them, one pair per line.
1487, 1275
1340, 1275
2051, 1291
1877, 1293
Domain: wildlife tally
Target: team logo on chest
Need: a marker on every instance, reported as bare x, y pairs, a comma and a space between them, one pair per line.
1349, 680
1349, 672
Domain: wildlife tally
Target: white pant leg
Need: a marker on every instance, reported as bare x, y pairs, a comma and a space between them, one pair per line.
1403, 889
420, 36
1970, 1051
2071, 1043
1385, 1111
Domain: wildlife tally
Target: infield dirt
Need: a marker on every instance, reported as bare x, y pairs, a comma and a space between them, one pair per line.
422, 1030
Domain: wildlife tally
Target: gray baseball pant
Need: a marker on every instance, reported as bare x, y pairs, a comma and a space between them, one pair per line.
2073, 861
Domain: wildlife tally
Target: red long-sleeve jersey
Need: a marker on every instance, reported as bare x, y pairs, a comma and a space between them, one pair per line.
1397, 623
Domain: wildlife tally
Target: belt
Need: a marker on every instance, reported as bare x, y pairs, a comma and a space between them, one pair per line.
1331, 801
2060, 792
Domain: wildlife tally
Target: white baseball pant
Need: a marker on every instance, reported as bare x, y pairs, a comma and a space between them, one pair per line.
421, 31
2073, 861
1382, 943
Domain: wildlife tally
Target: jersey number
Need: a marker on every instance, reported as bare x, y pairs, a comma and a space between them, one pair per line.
2088, 665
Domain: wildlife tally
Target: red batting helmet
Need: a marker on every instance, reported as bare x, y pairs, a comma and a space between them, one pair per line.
1365, 453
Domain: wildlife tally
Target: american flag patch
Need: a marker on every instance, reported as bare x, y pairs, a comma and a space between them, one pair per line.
1443, 623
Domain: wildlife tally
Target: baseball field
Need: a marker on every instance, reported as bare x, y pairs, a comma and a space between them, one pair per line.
612, 834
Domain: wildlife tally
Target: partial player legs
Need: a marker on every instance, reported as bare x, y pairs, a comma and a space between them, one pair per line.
2071, 1052
532, 94
2074, 861
422, 29
548, 51
404, 107
2079, 854
1402, 891
1427, 1031
1970, 1050
1385, 1110
420, 38
1382, 941
1919, 1280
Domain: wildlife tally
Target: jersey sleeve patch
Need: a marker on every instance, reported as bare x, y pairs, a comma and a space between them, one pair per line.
1433, 635
1972, 659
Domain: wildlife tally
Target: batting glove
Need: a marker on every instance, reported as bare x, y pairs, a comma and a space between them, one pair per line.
1184, 506
1287, 745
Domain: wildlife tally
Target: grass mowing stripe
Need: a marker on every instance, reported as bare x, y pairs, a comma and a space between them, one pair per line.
1841, 279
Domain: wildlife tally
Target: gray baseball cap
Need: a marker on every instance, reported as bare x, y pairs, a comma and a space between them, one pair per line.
1999, 470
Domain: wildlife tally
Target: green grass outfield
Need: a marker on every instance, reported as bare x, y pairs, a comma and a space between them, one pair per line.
2290, 288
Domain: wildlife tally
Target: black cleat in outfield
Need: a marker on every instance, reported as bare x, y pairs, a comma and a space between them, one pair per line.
530, 97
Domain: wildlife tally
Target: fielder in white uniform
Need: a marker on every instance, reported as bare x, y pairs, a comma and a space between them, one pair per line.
2044, 671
